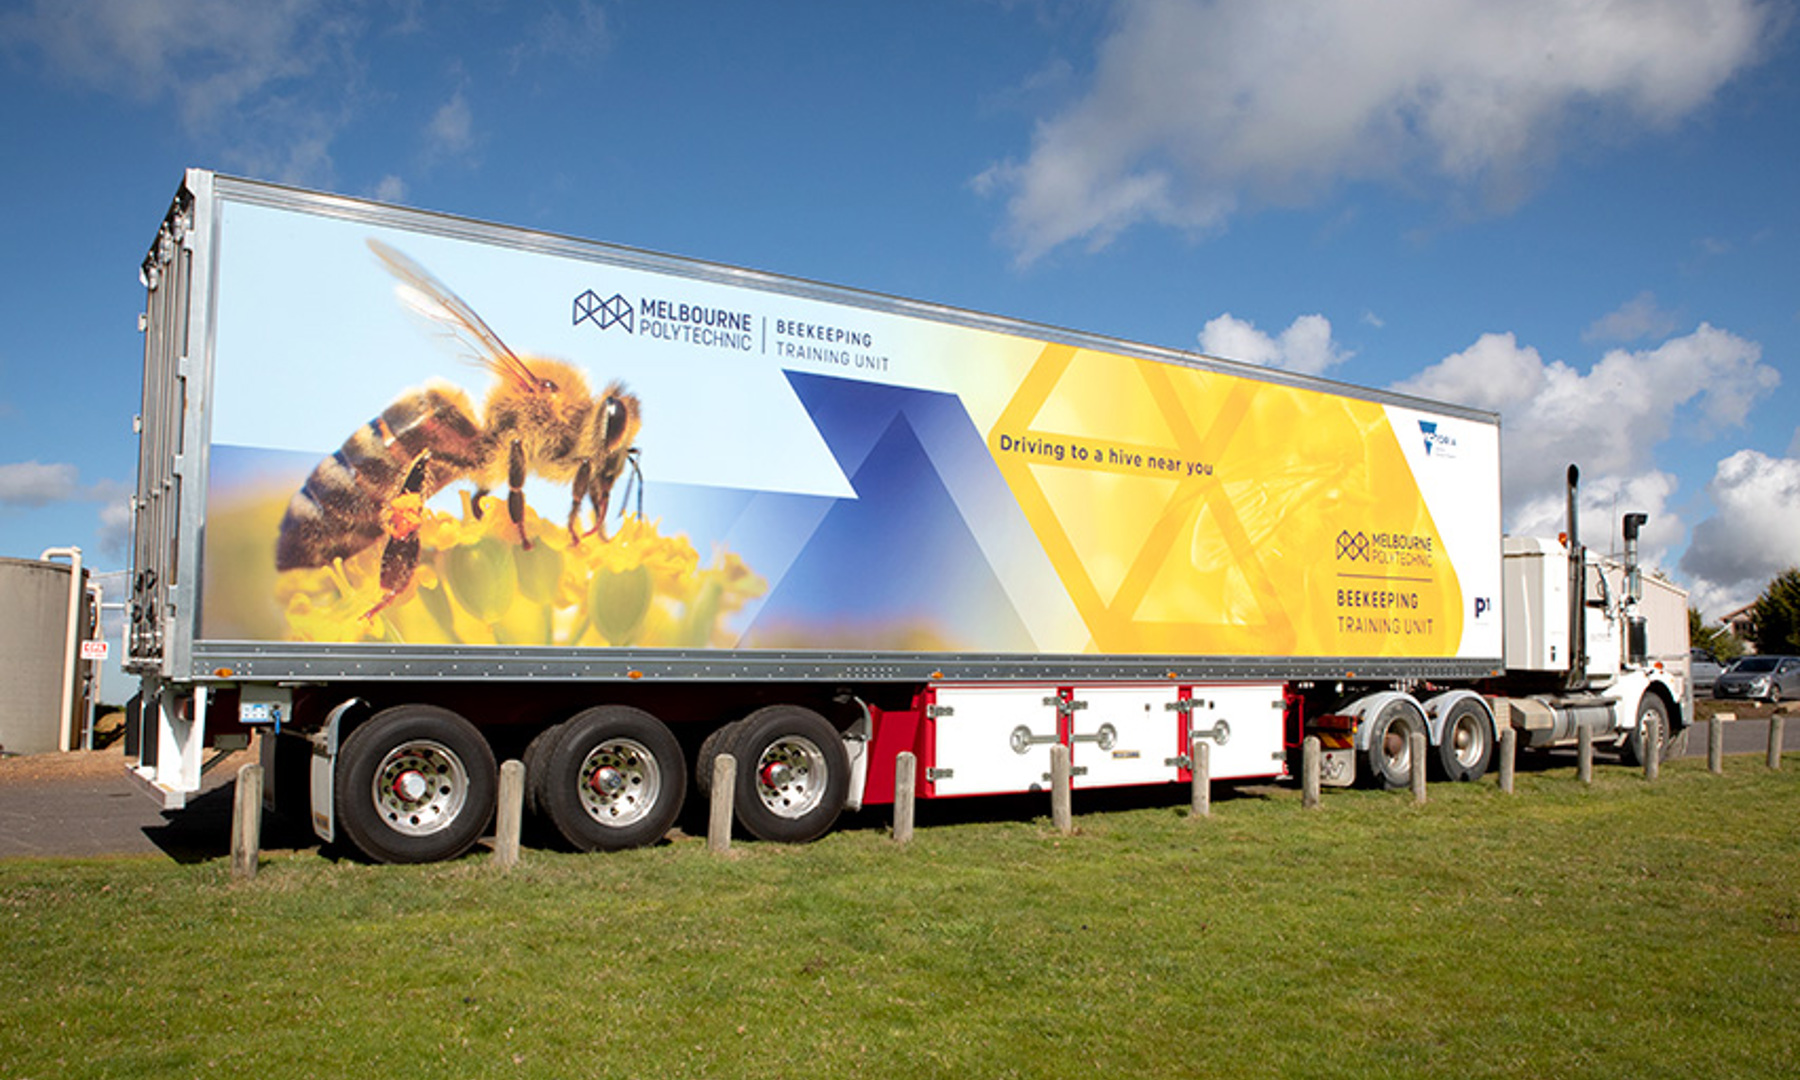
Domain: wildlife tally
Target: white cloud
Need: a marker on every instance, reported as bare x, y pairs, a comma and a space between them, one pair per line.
451, 132
234, 70
1753, 535
209, 54
1634, 320
1608, 419
1197, 106
1305, 346
391, 189
32, 483
114, 532
578, 32
1604, 502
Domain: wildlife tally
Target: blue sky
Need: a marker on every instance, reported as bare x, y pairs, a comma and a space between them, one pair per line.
1581, 216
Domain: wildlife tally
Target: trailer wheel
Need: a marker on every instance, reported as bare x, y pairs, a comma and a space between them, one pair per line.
718, 742
416, 783
1387, 759
616, 778
792, 774
1466, 743
1636, 752
536, 760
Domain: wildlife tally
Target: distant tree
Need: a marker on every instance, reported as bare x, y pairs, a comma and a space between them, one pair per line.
1775, 617
1721, 642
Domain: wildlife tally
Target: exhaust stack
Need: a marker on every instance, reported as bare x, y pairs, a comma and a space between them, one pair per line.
1637, 627
1577, 586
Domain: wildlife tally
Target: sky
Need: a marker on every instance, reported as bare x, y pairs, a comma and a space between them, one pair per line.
1579, 215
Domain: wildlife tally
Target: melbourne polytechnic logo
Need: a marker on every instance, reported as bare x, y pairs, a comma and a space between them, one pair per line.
1437, 443
1352, 545
603, 313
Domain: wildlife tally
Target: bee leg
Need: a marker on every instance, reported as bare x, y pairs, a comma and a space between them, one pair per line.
601, 496
515, 497
398, 561
579, 488
475, 502
400, 556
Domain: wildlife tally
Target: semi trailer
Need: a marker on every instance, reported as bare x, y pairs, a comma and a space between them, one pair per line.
418, 493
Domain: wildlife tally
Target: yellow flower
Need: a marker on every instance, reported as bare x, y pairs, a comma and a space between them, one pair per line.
477, 583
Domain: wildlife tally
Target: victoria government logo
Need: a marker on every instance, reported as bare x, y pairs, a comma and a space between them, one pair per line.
1438, 444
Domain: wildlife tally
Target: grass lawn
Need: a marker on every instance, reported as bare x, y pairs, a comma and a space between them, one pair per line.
1619, 930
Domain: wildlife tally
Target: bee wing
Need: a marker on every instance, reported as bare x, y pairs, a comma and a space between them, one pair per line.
434, 300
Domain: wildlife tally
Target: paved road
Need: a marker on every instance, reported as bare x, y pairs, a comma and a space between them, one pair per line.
108, 814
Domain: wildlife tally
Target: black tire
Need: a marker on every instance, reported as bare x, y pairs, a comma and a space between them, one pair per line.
792, 774
1386, 762
415, 784
536, 760
616, 778
716, 743
1465, 746
1635, 752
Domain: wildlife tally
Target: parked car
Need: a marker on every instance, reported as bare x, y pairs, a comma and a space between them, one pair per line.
1763, 678
1703, 670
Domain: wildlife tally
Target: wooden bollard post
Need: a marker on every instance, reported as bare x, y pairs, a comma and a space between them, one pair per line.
1777, 723
1415, 754
1584, 754
718, 823
906, 780
1653, 744
1200, 759
1062, 811
1509, 756
1309, 773
509, 816
1715, 742
246, 822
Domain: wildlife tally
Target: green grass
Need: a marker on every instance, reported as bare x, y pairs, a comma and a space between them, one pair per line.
1624, 929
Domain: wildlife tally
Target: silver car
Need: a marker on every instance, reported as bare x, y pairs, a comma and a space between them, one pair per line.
1703, 670
1761, 678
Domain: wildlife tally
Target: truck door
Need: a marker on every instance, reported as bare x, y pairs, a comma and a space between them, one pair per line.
990, 740
1243, 726
1122, 735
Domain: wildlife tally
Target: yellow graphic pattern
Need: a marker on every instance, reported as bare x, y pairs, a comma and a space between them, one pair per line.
1195, 512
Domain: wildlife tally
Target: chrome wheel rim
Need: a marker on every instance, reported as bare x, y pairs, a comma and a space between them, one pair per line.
620, 782
420, 787
1396, 749
1466, 740
791, 777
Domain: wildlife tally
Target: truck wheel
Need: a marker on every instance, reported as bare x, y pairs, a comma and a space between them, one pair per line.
416, 783
1636, 753
1387, 760
536, 760
615, 779
792, 774
716, 743
1466, 744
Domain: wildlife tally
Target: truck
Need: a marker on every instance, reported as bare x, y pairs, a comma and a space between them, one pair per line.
807, 526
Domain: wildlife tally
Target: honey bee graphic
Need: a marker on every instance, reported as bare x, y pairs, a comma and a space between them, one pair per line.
539, 418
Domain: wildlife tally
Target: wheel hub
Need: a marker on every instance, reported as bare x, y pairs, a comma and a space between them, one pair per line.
607, 781
777, 774
411, 786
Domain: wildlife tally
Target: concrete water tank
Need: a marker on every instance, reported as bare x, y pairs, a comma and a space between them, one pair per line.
34, 626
